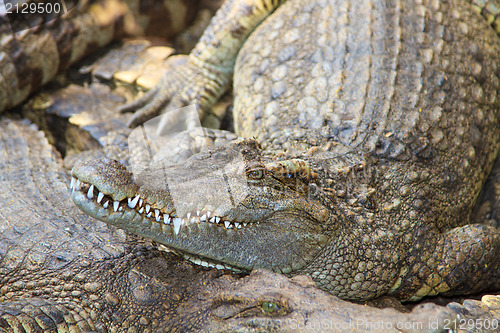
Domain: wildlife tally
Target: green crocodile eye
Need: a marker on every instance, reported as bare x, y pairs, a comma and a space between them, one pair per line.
256, 174
270, 307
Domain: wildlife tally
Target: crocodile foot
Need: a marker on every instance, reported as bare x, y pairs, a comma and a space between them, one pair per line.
186, 82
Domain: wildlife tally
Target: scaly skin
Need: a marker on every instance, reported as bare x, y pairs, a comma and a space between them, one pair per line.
378, 122
31, 58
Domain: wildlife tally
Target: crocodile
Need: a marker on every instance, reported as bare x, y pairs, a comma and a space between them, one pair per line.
38, 297
31, 56
374, 125
39, 225
62, 271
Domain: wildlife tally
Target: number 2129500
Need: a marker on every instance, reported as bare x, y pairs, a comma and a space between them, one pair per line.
33, 8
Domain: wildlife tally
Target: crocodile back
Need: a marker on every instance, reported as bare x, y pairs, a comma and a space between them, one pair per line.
396, 78
412, 82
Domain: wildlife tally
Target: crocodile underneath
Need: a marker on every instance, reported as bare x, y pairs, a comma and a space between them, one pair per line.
377, 123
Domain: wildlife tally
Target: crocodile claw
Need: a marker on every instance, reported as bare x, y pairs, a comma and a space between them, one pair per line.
186, 82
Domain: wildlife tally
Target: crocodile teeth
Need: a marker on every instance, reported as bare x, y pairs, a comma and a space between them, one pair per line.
115, 205
140, 202
106, 204
78, 184
245, 224
237, 225
197, 213
148, 207
188, 215
133, 202
217, 219
72, 184
208, 213
157, 215
212, 220
149, 214
100, 196
177, 225
166, 219
227, 224
203, 217
90, 193
193, 220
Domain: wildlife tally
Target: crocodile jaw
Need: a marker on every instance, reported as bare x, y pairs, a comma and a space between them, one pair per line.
282, 240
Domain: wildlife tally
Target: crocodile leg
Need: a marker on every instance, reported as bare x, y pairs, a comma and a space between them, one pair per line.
203, 76
449, 267
490, 10
40, 315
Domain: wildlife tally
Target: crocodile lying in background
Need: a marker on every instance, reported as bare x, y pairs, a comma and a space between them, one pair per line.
379, 123
32, 56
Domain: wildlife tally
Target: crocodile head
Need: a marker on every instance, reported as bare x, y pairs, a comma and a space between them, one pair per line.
223, 207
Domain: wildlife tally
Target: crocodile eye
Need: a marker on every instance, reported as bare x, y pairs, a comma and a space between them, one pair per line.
256, 174
270, 307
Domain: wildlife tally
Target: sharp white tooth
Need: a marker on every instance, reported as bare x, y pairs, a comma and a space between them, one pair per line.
157, 213
141, 210
90, 193
204, 263
237, 225
227, 224
219, 266
115, 205
195, 261
149, 214
148, 207
188, 215
193, 220
158, 218
100, 196
177, 225
140, 202
106, 204
197, 213
166, 219
133, 202
78, 184
245, 224
120, 208
217, 219
212, 220
203, 217
72, 184
208, 213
